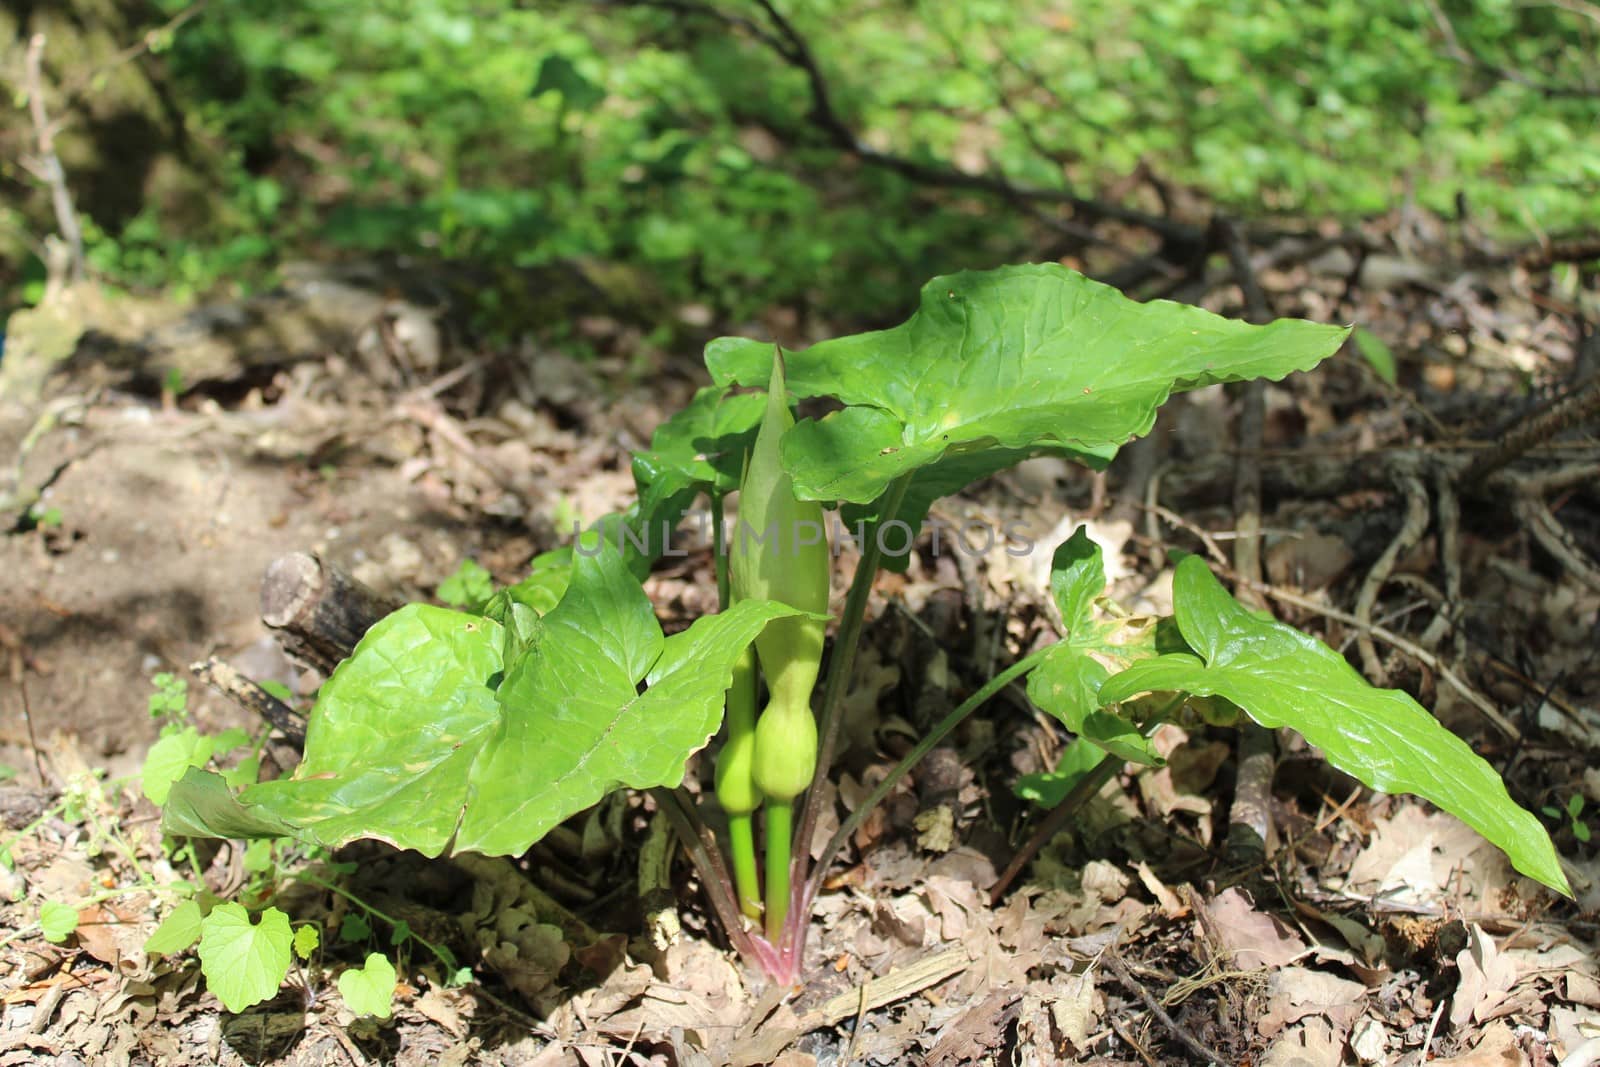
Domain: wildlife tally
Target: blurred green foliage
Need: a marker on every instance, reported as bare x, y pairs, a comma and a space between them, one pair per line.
515, 136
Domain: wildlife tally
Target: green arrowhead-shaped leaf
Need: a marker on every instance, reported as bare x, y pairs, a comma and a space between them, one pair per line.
244, 962
1077, 578
701, 448
369, 990
576, 726
1282, 677
1067, 684
394, 734
418, 740
201, 805
1031, 358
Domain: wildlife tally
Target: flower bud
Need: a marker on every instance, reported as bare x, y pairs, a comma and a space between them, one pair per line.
780, 552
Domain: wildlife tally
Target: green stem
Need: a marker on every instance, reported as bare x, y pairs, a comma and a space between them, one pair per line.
439, 952
926, 745
735, 784
1082, 791
840, 665
719, 552
707, 859
742, 853
779, 820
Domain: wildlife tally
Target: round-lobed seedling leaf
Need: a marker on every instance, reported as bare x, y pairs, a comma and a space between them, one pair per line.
171, 757
369, 989
306, 940
244, 962
58, 921
177, 932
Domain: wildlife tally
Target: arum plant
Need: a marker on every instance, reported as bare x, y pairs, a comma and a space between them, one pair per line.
450, 731
779, 553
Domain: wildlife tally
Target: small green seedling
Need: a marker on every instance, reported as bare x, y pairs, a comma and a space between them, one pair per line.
183, 745
480, 731
57, 921
244, 961
44, 518
170, 701
1572, 812
470, 587
369, 990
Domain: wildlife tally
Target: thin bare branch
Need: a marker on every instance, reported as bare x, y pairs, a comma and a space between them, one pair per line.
47, 165
783, 38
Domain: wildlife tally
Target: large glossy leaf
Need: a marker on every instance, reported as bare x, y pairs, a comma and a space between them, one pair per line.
202, 805
420, 741
1028, 359
950, 474
575, 725
1282, 677
394, 733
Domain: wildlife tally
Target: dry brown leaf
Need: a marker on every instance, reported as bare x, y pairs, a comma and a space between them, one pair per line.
1296, 992
113, 934
436, 1006
1370, 1041
1421, 857
1486, 978
662, 1009
976, 1034
1172, 788
768, 1041
1169, 903
906, 919
1074, 1008
1310, 1044
1307, 562
1019, 926
957, 905
699, 968
1497, 1048
1250, 939
1572, 1028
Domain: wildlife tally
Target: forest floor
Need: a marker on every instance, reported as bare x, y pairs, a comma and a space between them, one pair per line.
1376, 930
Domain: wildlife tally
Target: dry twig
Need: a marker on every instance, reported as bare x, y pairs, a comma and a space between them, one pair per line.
1411, 531
1134, 986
